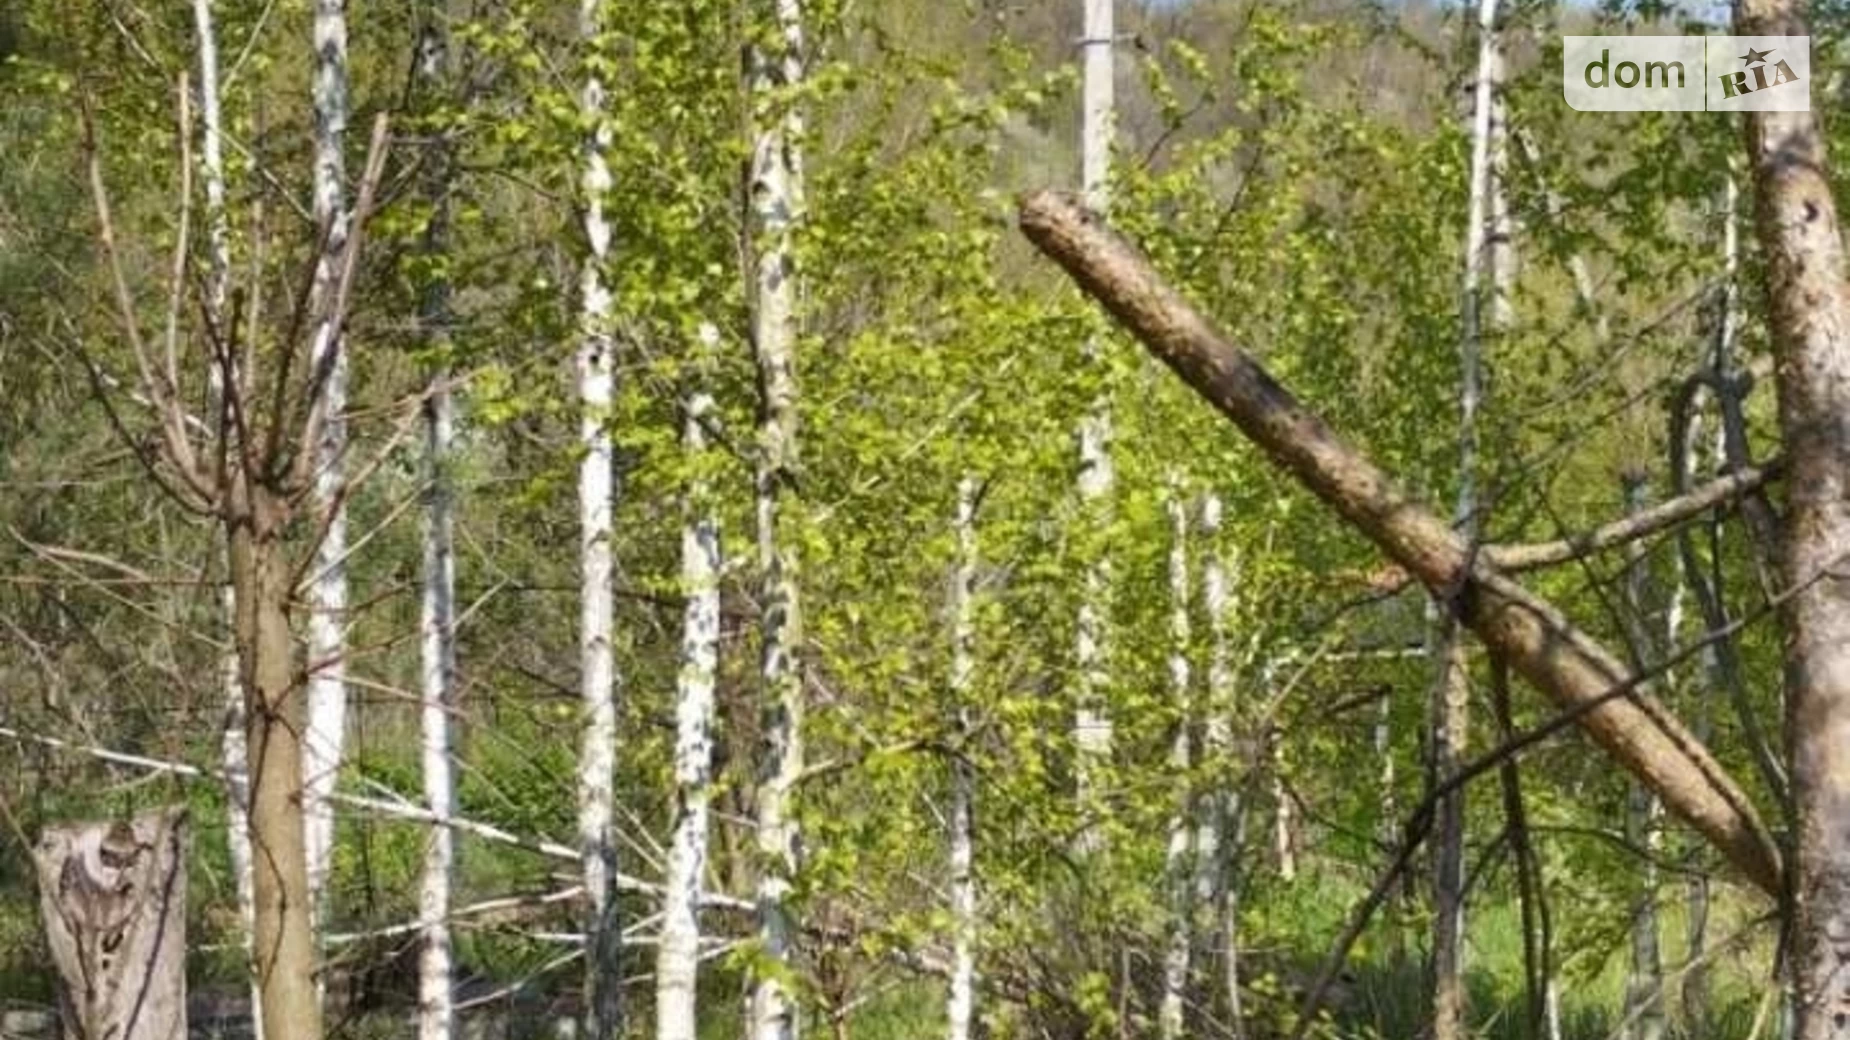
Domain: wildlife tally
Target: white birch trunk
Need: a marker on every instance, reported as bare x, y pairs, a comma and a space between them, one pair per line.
1176, 863
233, 747
677, 972
437, 623
1218, 837
438, 631
1092, 732
777, 200
1451, 690
961, 1010
597, 605
326, 730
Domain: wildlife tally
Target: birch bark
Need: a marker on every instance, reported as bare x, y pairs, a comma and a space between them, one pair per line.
1092, 732
677, 972
962, 1001
325, 738
597, 604
777, 203
437, 621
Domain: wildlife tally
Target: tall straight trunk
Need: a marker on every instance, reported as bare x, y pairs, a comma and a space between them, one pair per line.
677, 964
1176, 859
777, 200
233, 750
1809, 307
1218, 836
327, 591
437, 621
284, 937
1451, 688
1644, 1006
961, 1007
597, 765
1092, 729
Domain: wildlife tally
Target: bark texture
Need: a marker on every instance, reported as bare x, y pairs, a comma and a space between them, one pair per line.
1559, 659
777, 202
114, 900
677, 965
327, 589
597, 756
1092, 733
961, 1008
1809, 307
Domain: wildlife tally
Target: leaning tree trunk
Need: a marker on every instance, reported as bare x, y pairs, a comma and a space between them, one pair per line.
113, 897
437, 621
327, 589
777, 200
1176, 865
1809, 306
1559, 659
677, 963
1092, 733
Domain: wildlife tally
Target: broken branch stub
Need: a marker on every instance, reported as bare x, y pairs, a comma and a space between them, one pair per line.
114, 900
1545, 648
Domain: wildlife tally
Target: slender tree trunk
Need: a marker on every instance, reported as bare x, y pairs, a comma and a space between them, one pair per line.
218, 247
597, 604
284, 937
1686, 439
327, 592
1644, 1006
777, 194
437, 623
1451, 689
1532, 898
1809, 306
1092, 728
1176, 860
1219, 837
962, 1001
677, 965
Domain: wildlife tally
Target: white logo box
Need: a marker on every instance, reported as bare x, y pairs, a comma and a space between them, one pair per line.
1686, 73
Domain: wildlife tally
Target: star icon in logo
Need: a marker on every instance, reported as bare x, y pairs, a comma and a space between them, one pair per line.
1754, 57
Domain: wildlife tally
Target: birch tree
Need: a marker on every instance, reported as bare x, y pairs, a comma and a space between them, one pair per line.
233, 749
437, 613
1176, 858
777, 206
326, 730
596, 506
961, 1009
1221, 832
1451, 688
677, 965
1092, 737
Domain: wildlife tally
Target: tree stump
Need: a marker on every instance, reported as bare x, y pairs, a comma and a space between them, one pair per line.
114, 900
